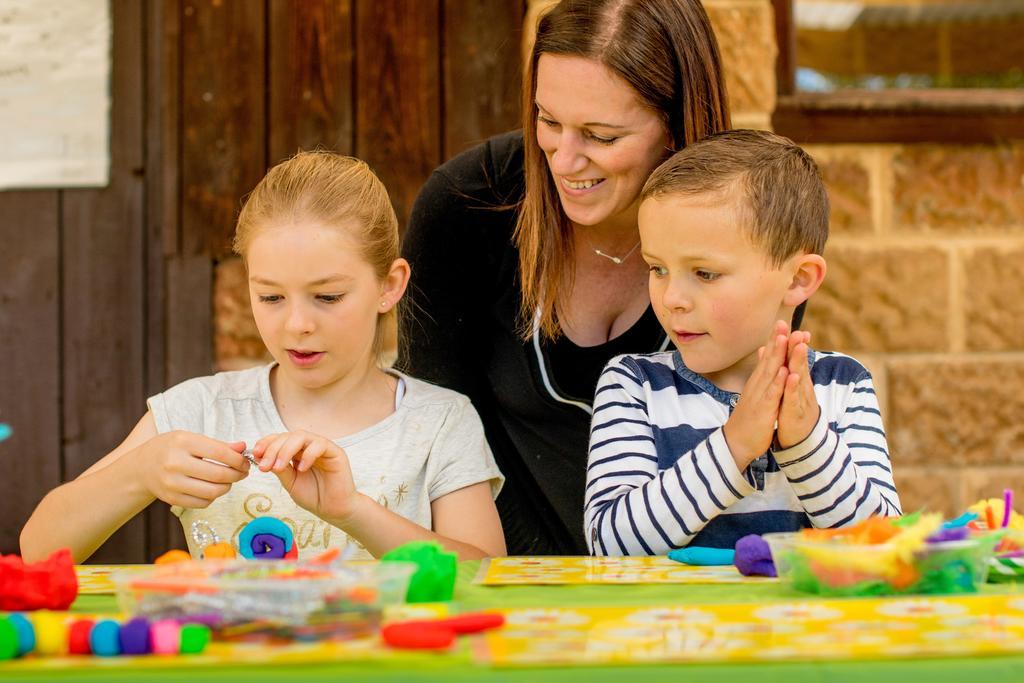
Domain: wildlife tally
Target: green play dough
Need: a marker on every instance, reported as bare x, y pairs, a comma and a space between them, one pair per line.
194, 638
8, 640
434, 580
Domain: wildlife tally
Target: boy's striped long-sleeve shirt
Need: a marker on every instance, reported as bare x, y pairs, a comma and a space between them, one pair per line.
660, 474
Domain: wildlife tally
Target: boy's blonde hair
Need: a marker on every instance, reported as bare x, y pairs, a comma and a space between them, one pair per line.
331, 190
786, 206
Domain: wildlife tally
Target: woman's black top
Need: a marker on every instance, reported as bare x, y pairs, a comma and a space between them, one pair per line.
459, 331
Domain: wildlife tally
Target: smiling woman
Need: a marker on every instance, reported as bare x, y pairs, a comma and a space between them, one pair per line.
526, 276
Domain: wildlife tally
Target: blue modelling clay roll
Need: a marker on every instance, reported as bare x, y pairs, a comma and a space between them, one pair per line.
105, 638
26, 633
705, 557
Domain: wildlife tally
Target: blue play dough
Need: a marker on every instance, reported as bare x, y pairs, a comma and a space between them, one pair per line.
705, 557
5, 432
105, 638
26, 634
134, 637
961, 521
253, 548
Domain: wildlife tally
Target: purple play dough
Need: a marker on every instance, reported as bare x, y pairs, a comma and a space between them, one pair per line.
955, 534
754, 557
268, 547
135, 638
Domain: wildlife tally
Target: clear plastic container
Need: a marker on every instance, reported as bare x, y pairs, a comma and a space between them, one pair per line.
836, 568
1007, 565
268, 599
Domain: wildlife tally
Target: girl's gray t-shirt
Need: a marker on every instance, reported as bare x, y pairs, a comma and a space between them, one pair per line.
433, 444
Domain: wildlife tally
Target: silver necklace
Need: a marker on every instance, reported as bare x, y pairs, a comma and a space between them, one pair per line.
617, 260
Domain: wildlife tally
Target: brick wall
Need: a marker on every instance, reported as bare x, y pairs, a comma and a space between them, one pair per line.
925, 285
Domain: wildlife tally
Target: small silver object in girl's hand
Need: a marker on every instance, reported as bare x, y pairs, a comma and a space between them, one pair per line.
247, 454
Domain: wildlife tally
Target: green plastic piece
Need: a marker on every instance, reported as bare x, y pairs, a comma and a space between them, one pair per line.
434, 580
907, 520
194, 638
8, 640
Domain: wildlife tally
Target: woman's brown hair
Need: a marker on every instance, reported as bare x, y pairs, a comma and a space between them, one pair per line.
666, 51
331, 190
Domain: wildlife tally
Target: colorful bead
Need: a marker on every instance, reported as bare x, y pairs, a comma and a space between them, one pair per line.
105, 638
8, 640
78, 637
166, 637
194, 638
135, 637
51, 633
26, 634
266, 538
219, 551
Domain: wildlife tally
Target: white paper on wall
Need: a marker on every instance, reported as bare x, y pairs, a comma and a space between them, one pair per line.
54, 93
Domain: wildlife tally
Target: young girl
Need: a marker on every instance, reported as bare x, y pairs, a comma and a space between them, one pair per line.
346, 451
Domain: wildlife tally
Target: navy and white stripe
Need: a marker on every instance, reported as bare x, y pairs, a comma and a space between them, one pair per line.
661, 476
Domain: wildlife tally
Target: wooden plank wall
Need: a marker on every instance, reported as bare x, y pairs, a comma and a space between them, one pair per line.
106, 294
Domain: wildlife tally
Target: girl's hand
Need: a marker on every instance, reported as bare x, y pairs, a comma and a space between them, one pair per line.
751, 427
799, 411
313, 470
190, 470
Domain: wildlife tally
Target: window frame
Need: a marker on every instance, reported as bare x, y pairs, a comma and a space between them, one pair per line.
864, 116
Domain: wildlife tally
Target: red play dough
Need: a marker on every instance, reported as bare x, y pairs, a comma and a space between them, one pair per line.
437, 634
50, 584
78, 637
472, 623
418, 635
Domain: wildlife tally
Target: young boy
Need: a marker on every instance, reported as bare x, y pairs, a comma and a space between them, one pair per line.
743, 429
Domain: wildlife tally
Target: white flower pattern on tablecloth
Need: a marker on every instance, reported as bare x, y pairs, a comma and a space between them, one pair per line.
828, 642
782, 653
634, 633
920, 608
993, 621
758, 628
713, 573
530, 562
796, 611
873, 625
535, 634
670, 615
623, 576
546, 617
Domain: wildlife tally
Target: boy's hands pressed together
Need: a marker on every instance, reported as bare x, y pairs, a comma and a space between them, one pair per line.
799, 410
750, 429
313, 469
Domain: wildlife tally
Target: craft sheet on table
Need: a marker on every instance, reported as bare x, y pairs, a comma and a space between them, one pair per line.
849, 629
97, 579
506, 571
